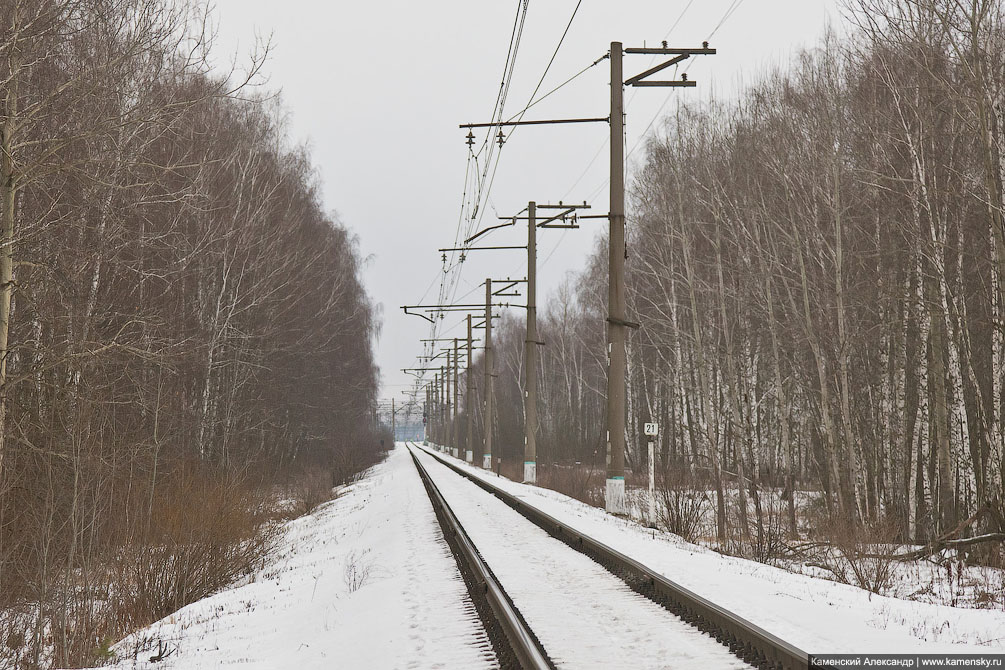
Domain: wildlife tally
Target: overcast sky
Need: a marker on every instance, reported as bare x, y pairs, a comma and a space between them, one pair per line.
377, 89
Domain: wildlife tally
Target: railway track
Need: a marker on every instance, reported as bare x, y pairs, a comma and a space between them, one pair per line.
744, 640
518, 647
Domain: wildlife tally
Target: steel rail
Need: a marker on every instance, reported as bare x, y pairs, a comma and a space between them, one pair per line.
746, 639
525, 646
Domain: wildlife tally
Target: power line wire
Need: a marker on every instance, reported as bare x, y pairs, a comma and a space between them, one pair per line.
451, 277
530, 101
725, 17
485, 194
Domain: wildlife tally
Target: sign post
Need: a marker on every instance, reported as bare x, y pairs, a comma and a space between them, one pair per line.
652, 430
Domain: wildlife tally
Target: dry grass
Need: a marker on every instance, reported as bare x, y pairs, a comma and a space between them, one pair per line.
580, 481
309, 490
204, 535
205, 530
860, 555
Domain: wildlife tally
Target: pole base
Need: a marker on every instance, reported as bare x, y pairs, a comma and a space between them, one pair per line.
469, 456
529, 472
614, 497
487, 461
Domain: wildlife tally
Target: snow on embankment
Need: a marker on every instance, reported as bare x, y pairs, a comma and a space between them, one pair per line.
365, 582
817, 615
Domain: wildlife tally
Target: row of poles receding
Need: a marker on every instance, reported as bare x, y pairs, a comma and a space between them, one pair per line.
438, 393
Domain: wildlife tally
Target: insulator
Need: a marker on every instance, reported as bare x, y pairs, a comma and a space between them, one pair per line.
471, 138
500, 138
664, 44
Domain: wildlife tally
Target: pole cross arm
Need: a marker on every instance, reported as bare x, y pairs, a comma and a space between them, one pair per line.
656, 51
562, 205
464, 308
683, 83
653, 70
482, 326
532, 123
561, 215
510, 283
622, 322
444, 339
477, 248
438, 308
679, 55
435, 307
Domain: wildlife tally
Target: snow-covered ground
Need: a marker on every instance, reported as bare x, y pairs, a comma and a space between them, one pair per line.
365, 582
368, 582
817, 615
584, 616
946, 581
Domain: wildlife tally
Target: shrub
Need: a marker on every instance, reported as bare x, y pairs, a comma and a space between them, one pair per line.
857, 554
680, 507
204, 533
309, 490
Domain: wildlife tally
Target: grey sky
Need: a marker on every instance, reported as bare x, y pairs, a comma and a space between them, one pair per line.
378, 89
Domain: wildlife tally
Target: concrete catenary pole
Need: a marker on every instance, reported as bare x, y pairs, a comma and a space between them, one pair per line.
468, 399
530, 353
394, 427
487, 453
448, 441
456, 430
435, 416
616, 308
439, 409
443, 407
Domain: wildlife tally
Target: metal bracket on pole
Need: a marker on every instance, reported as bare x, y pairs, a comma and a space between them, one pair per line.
482, 232
427, 318
510, 283
679, 55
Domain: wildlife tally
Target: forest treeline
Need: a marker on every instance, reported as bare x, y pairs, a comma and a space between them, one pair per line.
819, 272
182, 325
